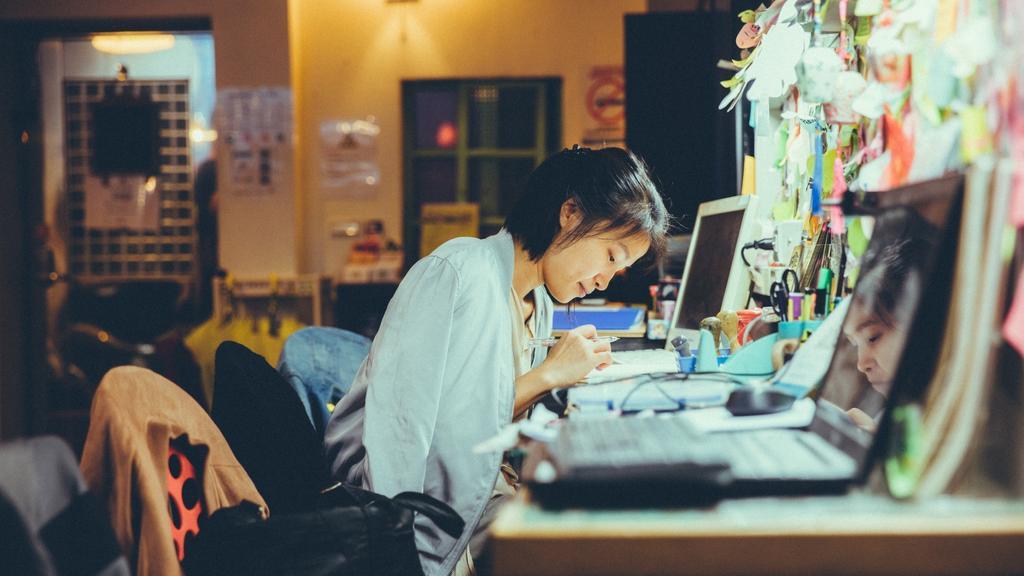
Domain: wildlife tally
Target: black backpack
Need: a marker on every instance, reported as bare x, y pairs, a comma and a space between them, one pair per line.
352, 531
314, 528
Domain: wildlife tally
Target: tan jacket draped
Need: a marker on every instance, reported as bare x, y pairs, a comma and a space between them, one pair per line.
135, 413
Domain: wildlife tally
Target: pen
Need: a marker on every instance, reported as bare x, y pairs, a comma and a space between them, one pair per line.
535, 342
821, 295
796, 306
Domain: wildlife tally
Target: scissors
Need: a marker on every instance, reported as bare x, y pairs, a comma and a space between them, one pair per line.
780, 291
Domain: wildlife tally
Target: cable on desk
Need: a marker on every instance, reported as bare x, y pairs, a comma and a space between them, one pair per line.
680, 404
657, 378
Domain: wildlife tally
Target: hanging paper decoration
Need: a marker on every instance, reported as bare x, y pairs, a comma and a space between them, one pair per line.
838, 189
818, 171
897, 91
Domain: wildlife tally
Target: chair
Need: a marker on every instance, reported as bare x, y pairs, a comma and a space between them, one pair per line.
136, 416
50, 524
320, 363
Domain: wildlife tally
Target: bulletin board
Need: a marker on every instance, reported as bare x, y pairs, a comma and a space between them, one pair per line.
167, 250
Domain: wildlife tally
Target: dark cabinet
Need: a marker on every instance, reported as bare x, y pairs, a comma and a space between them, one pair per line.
672, 95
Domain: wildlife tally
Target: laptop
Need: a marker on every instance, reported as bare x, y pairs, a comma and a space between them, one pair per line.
894, 322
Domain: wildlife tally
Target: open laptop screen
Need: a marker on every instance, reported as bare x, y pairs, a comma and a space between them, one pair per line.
892, 312
714, 277
709, 268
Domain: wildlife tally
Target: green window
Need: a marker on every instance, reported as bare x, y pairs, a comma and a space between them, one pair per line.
474, 141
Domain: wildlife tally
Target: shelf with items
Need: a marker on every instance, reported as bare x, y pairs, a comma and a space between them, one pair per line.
308, 298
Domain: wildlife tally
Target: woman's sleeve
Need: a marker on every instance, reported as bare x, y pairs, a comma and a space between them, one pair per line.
407, 374
545, 321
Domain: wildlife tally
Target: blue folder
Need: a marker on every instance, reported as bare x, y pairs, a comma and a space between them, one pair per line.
605, 319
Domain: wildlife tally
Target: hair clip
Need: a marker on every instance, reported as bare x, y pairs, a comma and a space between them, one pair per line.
576, 150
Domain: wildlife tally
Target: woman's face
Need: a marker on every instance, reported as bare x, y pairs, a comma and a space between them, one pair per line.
589, 263
878, 345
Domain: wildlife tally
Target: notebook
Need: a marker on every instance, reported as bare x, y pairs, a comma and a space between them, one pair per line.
893, 323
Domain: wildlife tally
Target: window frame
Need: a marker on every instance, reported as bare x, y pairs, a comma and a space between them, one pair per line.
547, 141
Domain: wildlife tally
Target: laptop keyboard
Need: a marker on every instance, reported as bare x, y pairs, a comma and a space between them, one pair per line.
785, 455
665, 448
631, 447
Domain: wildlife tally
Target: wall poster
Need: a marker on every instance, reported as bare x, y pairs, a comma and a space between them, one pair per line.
348, 158
256, 127
122, 201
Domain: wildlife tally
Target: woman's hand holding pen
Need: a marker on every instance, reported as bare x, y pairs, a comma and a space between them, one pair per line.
569, 361
575, 355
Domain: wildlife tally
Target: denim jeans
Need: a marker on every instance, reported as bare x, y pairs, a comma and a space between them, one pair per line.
320, 364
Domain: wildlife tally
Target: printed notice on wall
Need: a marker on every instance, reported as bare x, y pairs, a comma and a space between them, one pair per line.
443, 221
348, 158
256, 128
606, 107
129, 201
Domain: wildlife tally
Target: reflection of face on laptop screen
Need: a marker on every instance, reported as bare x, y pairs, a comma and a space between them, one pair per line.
709, 267
893, 272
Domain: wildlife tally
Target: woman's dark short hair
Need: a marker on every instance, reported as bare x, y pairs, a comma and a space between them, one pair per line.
612, 189
892, 261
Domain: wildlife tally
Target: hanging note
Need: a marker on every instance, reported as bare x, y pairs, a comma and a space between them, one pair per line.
748, 188
975, 139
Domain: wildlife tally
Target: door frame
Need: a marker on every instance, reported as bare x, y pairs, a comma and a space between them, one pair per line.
23, 354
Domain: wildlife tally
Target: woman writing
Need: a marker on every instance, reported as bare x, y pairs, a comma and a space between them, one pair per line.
452, 365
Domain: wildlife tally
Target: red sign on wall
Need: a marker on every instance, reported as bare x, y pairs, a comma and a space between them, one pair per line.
606, 107
606, 95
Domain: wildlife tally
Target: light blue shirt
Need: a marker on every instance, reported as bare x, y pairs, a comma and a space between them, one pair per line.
439, 380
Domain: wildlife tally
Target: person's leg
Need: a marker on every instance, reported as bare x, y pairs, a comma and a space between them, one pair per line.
504, 489
268, 430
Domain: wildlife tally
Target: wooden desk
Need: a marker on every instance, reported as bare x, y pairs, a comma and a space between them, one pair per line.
856, 534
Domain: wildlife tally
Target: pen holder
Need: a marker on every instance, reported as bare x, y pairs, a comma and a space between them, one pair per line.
797, 328
689, 363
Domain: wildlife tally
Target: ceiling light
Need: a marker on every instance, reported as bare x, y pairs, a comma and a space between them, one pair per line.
132, 43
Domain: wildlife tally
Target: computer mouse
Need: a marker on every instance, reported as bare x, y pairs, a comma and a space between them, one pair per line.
750, 401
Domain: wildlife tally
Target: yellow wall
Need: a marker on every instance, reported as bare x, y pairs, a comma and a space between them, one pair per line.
251, 49
349, 58
346, 58
251, 38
